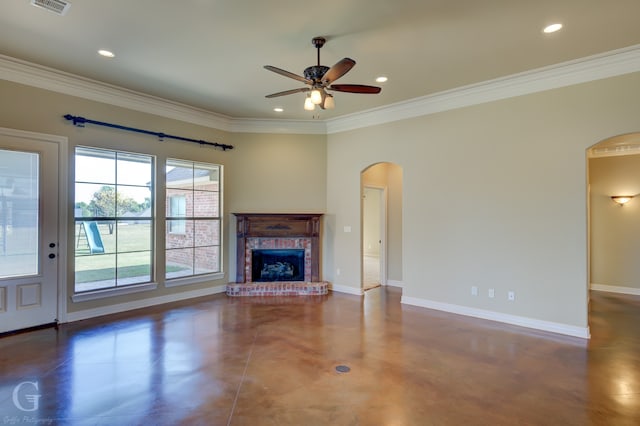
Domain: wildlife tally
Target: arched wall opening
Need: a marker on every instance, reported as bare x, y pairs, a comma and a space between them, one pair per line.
381, 225
614, 229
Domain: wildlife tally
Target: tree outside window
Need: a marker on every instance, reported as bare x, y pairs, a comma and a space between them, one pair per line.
113, 219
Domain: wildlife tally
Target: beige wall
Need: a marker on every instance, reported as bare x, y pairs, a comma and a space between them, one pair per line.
274, 173
494, 196
615, 230
270, 173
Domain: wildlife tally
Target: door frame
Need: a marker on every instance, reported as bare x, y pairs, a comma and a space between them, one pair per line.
62, 143
383, 234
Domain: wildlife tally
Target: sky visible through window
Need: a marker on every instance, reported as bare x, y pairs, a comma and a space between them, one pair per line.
102, 170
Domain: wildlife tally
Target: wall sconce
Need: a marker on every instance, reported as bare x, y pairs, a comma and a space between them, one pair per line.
621, 199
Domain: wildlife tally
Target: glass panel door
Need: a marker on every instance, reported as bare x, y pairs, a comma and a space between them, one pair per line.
19, 177
28, 230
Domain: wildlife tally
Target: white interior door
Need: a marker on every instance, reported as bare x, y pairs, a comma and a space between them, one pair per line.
28, 232
373, 236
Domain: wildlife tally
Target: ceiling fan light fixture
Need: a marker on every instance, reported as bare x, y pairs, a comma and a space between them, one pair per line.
316, 96
329, 102
308, 104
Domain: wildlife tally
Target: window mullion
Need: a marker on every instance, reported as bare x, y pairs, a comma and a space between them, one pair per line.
126, 255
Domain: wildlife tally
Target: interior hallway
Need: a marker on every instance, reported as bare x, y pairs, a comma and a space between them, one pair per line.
371, 272
272, 361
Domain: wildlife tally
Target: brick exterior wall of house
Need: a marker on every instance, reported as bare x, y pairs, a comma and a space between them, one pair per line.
199, 240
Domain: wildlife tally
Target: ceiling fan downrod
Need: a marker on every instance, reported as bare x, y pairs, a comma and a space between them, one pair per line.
318, 42
316, 72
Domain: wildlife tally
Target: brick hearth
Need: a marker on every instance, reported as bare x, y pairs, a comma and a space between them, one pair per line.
280, 288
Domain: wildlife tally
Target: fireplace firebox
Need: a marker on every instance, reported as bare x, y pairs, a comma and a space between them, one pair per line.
277, 265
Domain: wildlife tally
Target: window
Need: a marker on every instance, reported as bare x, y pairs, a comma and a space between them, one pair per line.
193, 218
177, 208
113, 219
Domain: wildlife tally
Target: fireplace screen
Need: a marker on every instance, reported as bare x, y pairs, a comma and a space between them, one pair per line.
277, 265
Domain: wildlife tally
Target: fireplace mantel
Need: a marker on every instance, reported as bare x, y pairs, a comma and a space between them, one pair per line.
277, 226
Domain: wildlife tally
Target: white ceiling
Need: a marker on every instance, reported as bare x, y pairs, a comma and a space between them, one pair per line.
210, 54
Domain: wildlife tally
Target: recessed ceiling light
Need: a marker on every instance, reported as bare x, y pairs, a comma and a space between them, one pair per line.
552, 28
278, 109
106, 53
381, 79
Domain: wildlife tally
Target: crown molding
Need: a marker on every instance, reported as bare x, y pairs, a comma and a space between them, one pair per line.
254, 125
624, 144
609, 64
35, 75
614, 151
30, 74
596, 67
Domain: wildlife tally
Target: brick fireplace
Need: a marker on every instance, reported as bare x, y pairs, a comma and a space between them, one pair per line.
277, 255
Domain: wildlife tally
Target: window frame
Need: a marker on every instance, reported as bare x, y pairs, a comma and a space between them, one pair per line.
115, 220
190, 193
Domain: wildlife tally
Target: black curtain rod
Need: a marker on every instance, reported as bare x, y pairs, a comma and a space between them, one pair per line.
80, 122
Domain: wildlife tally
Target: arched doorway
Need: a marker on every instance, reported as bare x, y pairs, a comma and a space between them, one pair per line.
381, 225
614, 229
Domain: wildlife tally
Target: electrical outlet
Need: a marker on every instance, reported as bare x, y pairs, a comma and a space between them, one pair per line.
474, 291
338, 271
511, 296
492, 293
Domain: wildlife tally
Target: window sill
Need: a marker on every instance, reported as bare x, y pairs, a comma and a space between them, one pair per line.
176, 282
112, 292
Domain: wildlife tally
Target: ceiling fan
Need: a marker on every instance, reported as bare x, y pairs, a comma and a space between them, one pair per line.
320, 79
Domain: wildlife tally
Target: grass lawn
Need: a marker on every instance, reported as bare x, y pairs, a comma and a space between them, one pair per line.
133, 259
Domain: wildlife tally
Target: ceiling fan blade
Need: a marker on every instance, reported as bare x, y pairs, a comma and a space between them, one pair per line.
338, 70
355, 88
288, 92
287, 74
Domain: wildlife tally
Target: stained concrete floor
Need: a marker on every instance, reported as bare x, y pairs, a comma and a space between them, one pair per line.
272, 361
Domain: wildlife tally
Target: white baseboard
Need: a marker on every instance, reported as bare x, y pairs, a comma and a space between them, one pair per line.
346, 289
570, 330
144, 303
395, 283
615, 289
